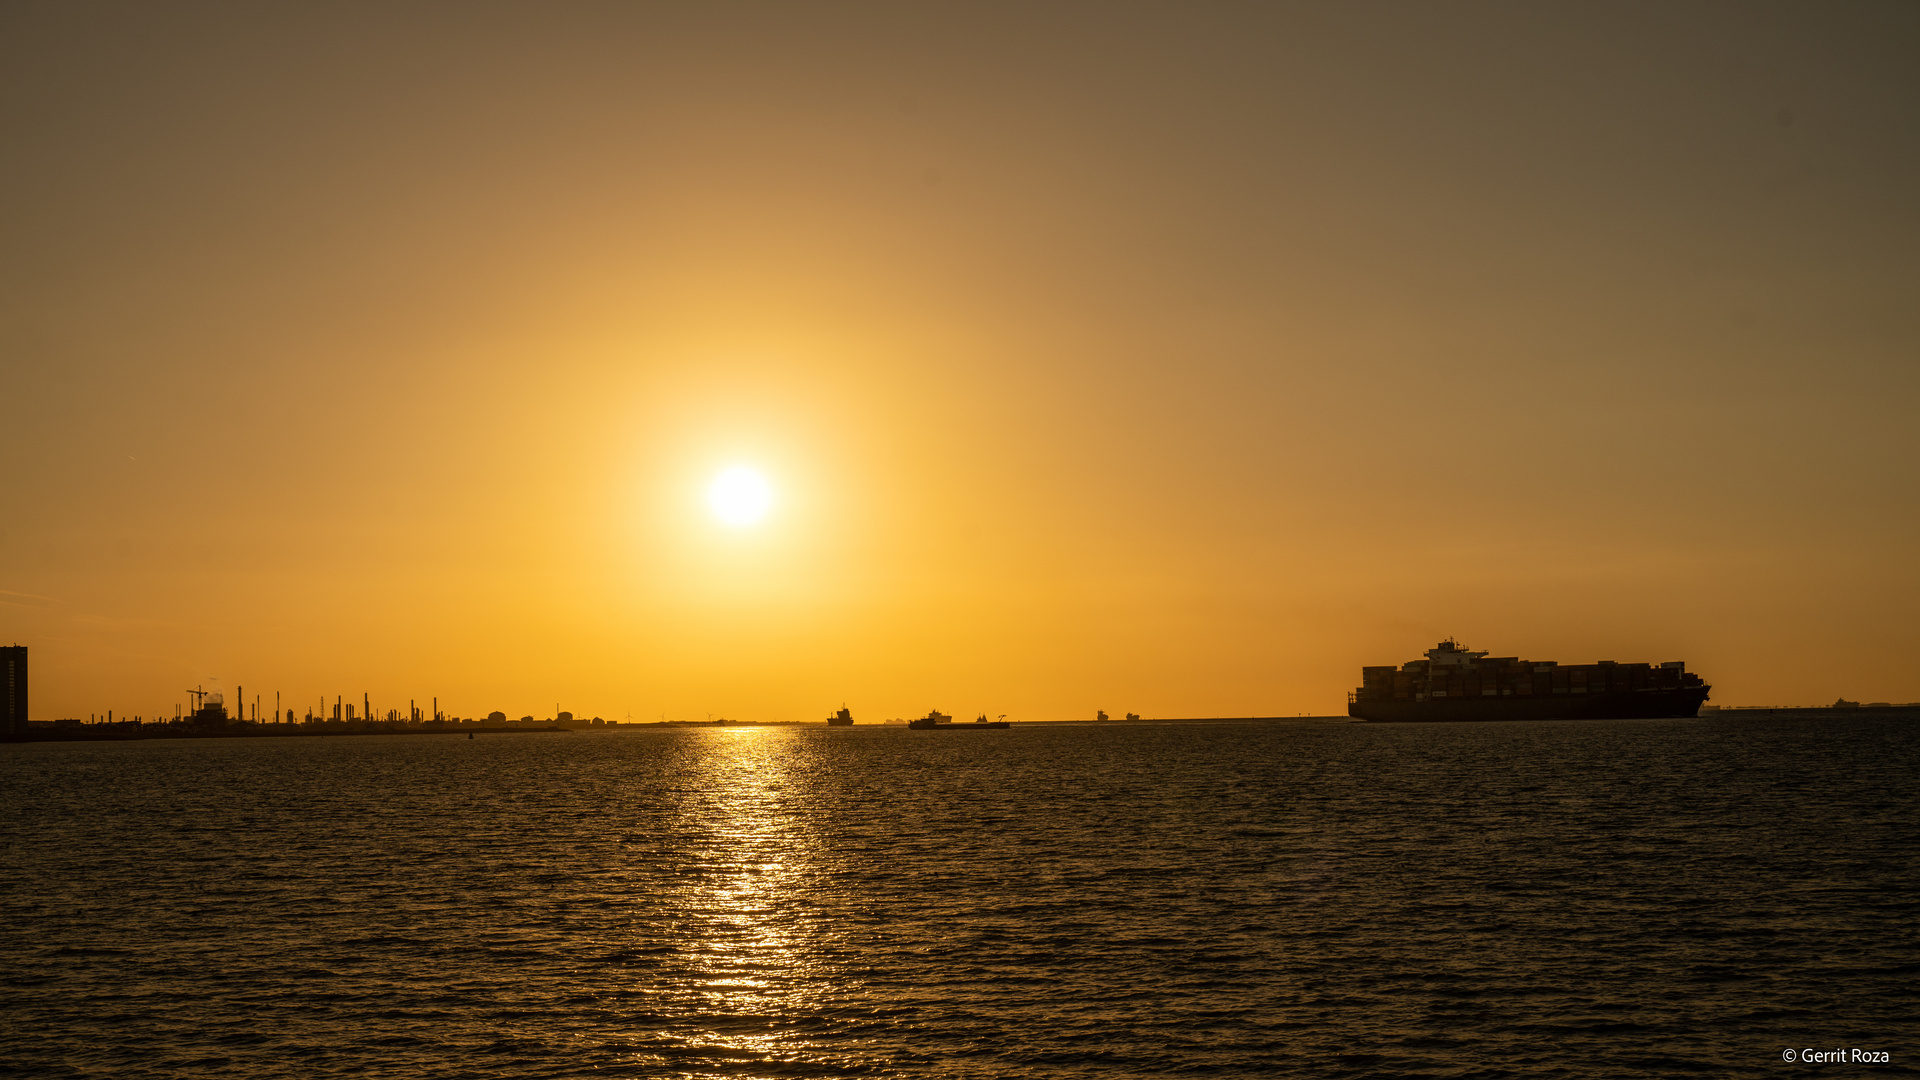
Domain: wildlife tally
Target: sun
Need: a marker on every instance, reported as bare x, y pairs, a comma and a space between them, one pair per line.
739, 496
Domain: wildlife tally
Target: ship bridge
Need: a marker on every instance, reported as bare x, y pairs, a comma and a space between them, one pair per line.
1451, 653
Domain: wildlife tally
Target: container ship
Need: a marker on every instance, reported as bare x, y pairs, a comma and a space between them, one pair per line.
1455, 684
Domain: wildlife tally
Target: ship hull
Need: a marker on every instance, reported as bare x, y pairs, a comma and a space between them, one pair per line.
1626, 705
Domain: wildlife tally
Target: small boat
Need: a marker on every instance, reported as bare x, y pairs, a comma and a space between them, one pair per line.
939, 721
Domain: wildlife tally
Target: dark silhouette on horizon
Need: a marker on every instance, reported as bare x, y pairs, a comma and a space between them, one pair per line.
1453, 683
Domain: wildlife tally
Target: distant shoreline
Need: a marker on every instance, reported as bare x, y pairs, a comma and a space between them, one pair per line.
104, 733
147, 732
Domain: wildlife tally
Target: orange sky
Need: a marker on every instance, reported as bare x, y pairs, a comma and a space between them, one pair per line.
1136, 358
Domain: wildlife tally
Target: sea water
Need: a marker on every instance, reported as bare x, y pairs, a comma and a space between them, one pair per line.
1253, 899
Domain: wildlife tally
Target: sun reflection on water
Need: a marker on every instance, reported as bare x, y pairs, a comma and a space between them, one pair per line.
748, 953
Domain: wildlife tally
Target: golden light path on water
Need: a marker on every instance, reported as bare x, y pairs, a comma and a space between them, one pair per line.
755, 946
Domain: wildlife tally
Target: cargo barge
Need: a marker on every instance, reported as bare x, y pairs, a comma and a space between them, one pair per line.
1455, 684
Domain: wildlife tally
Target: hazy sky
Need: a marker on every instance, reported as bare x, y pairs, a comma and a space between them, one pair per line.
1177, 359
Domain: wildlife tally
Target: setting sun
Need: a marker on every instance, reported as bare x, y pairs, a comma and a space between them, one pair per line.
739, 496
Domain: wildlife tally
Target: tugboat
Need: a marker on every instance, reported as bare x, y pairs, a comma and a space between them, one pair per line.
939, 721
843, 718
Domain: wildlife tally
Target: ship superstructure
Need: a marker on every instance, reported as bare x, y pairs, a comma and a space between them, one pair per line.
1455, 683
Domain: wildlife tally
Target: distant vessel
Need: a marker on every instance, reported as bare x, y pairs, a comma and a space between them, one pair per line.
939, 721
1455, 684
843, 718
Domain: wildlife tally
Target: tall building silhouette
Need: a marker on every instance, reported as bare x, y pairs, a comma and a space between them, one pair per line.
13, 689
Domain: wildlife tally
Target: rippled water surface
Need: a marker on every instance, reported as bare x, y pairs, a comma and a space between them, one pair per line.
1576, 899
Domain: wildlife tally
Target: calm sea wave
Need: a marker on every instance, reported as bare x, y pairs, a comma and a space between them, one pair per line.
1529, 899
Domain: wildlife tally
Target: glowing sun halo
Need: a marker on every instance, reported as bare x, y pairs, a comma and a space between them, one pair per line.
739, 496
